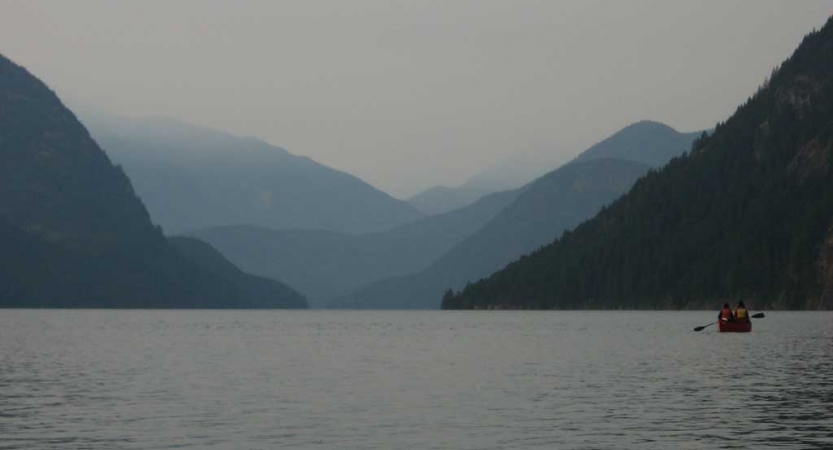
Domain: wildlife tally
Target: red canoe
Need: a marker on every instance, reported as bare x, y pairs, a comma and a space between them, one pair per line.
734, 327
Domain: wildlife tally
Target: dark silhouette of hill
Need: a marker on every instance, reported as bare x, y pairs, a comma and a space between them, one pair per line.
194, 178
747, 214
558, 201
255, 291
325, 264
73, 232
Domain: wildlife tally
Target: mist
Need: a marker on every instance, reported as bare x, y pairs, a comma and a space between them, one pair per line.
408, 95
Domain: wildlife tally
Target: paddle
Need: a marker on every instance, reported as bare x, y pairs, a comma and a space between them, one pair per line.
704, 327
756, 316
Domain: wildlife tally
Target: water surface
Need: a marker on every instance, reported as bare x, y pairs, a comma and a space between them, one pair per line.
420, 380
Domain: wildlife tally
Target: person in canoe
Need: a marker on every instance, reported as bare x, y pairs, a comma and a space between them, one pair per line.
741, 313
726, 314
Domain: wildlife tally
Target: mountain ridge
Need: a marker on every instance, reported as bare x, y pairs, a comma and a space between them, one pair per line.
324, 264
557, 201
194, 177
73, 231
747, 213
443, 199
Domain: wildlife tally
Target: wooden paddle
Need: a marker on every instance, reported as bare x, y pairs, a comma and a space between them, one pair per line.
704, 326
756, 316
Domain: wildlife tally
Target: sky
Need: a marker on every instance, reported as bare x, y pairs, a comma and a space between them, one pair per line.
411, 94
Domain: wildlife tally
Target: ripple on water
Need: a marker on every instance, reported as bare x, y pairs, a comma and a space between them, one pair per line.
427, 380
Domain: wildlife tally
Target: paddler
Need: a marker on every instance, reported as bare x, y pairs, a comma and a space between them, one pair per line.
725, 314
741, 313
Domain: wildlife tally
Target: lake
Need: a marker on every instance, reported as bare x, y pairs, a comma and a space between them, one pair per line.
102, 379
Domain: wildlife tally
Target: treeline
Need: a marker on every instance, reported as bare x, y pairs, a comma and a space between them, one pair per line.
746, 214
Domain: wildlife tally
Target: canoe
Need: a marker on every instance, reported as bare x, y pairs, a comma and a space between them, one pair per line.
734, 327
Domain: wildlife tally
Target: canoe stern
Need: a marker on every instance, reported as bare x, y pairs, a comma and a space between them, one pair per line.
734, 327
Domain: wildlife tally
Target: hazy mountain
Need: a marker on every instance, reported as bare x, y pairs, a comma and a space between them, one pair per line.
648, 142
652, 143
258, 292
747, 214
73, 232
515, 171
325, 264
441, 199
191, 177
556, 202
508, 174
551, 204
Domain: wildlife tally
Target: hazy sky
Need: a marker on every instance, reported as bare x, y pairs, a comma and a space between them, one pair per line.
409, 94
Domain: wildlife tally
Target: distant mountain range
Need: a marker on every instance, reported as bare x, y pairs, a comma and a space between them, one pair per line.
522, 169
747, 214
547, 207
194, 178
259, 291
648, 142
325, 264
509, 174
442, 199
74, 234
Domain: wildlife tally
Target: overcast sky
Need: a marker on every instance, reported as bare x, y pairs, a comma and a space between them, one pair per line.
409, 94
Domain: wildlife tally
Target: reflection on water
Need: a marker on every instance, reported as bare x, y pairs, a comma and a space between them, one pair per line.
425, 380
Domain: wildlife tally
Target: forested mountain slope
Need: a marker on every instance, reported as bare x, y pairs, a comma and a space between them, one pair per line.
257, 292
558, 201
549, 205
72, 231
747, 214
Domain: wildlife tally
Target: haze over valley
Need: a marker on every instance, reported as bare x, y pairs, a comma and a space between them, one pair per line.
154, 197
444, 224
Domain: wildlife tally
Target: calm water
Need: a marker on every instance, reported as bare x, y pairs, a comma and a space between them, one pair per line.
412, 380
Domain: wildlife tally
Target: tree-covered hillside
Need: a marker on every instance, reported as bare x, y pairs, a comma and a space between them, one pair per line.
555, 202
72, 231
252, 291
748, 213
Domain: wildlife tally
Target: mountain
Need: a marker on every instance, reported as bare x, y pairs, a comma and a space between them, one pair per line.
648, 142
548, 206
551, 204
442, 199
325, 264
747, 214
258, 292
515, 171
73, 232
192, 178
510, 174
